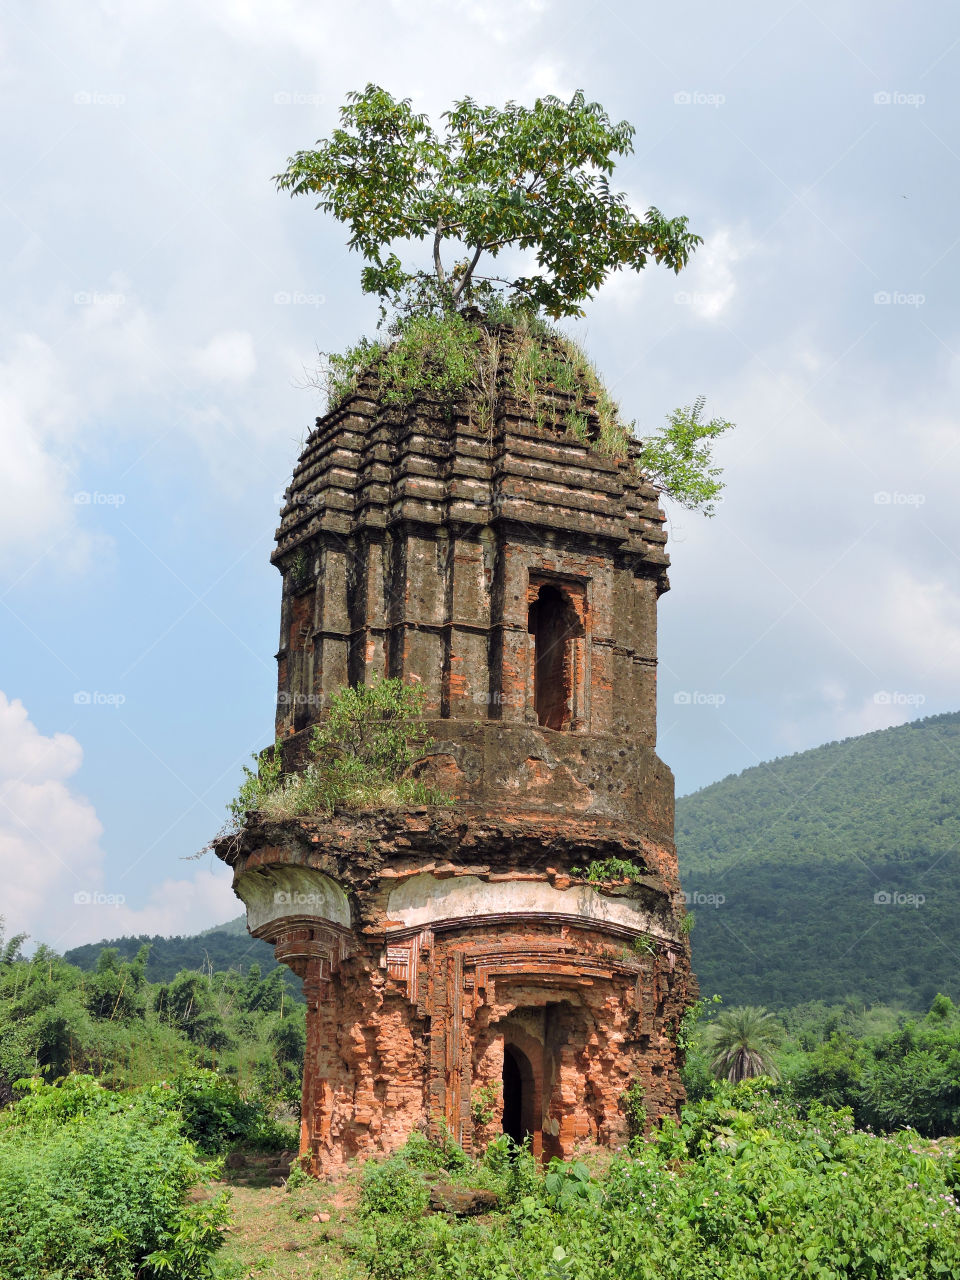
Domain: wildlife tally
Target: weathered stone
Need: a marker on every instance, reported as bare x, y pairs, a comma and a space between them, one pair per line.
459, 976
464, 1202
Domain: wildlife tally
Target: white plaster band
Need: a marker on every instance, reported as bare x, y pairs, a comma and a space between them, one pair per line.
424, 900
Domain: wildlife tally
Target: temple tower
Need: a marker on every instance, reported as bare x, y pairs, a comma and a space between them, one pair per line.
448, 955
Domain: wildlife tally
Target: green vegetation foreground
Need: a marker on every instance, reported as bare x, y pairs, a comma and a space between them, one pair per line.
94, 1185
97, 1186
742, 1187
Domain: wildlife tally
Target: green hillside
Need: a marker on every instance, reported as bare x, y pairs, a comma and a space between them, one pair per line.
782, 865
237, 928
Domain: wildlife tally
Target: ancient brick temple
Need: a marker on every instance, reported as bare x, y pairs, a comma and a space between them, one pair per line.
512, 571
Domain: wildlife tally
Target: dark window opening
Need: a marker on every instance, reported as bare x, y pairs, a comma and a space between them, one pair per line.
553, 623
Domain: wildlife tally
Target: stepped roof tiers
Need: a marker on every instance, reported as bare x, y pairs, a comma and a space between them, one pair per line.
512, 571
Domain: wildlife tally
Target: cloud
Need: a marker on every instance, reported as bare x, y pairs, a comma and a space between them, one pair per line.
36, 410
26, 754
850, 714
49, 835
64, 401
51, 862
179, 364
174, 907
227, 357
828, 574
709, 280
98, 349
503, 21
547, 78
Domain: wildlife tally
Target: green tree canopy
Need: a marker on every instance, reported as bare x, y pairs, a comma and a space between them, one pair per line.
531, 178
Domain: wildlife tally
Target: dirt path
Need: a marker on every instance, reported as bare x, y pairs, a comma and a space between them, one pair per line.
275, 1235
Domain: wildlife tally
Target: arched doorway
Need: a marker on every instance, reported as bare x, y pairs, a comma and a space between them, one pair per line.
519, 1094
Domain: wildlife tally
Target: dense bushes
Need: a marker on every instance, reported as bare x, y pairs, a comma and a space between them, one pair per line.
742, 1187
392, 1237
215, 1115
905, 1077
892, 1070
93, 1179
92, 1185
56, 1019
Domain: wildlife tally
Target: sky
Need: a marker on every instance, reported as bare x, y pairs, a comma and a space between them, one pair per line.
162, 301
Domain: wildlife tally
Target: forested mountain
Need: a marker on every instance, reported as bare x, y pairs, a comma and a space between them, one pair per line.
227, 946
832, 873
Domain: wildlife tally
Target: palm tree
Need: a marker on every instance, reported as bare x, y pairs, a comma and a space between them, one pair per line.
741, 1043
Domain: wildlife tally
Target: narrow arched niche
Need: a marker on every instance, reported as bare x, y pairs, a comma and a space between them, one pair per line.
520, 1094
553, 622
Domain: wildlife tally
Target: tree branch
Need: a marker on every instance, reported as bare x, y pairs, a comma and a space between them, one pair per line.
468, 273
514, 284
541, 173
438, 265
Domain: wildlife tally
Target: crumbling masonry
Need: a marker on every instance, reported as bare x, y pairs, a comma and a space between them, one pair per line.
456, 973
